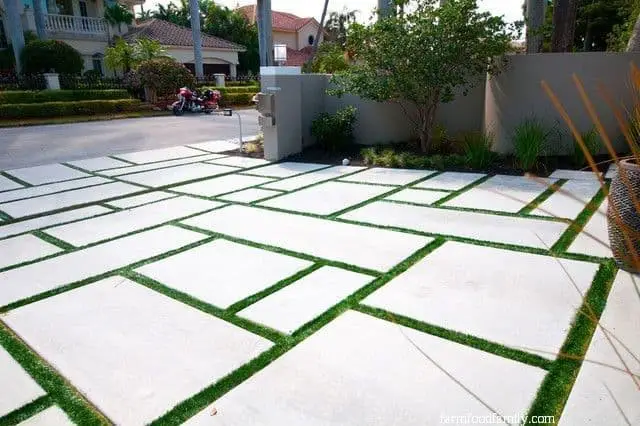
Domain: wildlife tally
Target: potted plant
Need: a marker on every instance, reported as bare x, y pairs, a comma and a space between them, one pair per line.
623, 216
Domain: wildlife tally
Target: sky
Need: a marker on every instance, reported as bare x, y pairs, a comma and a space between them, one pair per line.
511, 9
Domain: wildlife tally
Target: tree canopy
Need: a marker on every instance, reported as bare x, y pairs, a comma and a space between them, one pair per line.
423, 57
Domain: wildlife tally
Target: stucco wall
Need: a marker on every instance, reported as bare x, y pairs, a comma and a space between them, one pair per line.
517, 94
209, 56
314, 98
303, 34
290, 39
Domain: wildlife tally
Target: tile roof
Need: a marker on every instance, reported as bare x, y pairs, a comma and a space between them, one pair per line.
280, 21
170, 34
297, 58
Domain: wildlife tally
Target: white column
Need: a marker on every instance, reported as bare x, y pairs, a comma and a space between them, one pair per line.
233, 70
14, 29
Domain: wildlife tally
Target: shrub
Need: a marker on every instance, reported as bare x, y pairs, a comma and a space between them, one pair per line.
593, 144
164, 75
237, 99
60, 109
389, 157
335, 131
530, 141
242, 83
31, 97
240, 89
41, 56
329, 59
477, 149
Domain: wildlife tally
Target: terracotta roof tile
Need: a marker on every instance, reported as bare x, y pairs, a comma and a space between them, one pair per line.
280, 21
297, 58
170, 34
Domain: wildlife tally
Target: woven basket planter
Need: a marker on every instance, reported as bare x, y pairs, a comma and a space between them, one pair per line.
623, 217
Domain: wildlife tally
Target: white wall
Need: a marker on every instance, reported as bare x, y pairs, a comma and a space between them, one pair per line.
209, 56
303, 34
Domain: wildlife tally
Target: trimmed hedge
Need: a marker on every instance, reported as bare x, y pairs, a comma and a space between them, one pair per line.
59, 109
228, 90
33, 97
237, 99
241, 83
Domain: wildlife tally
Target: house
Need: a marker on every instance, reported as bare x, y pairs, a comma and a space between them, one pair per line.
297, 33
81, 24
218, 55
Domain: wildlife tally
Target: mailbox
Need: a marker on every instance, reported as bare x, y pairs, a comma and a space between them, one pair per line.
266, 108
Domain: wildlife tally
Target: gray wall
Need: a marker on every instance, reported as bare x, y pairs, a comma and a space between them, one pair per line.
516, 94
314, 87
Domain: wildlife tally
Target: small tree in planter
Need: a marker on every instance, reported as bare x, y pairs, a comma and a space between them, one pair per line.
163, 76
423, 57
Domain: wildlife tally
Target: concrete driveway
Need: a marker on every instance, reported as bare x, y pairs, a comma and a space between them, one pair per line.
32, 146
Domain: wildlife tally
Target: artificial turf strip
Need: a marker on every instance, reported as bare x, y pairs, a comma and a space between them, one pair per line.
4, 217
526, 210
16, 180
79, 410
556, 386
262, 331
454, 336
567, 238
53, 240
26, 411
454, 194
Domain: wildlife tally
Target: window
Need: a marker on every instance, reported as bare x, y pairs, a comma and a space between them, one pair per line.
64, 7
97, 63
311, 39
3, 36
83, 8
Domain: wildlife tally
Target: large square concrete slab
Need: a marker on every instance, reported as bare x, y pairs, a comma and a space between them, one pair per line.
136, 353
502, 193
99, 163
525, 301
290, 308
282, 170
46, 203
450, 181
250, 195
366, 247
585, 175
52, 416
36, 278
216, 146
417, 196
162, 154
222, 273
159, 165
220, 185
18, 387
570, 199
389, 176
326, 198
175, 175
478, 226
312, 178
50, 220
604, 392
139, 200
51, 188
7, 184
360, 370
593, 240
46, 174
242, 162
24, 248
117, 224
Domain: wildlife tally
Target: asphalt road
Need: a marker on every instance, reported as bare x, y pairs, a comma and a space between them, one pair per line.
32, 146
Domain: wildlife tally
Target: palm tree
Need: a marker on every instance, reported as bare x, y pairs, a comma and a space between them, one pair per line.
197, 38
120, 56
535, 13
564, 25
337, 25
314, 48
146, 49
145, 15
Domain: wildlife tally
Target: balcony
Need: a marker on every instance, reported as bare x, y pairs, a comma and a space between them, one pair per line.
76, 27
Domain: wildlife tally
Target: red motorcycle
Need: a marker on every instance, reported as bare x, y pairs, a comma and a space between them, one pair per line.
189, 101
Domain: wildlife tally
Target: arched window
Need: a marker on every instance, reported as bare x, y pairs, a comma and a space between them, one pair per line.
311, 39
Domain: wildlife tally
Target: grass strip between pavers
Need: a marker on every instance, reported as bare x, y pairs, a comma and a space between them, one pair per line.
26, 411
567, 238
61, 392
16, 180
552, 189
454, 336
556, 386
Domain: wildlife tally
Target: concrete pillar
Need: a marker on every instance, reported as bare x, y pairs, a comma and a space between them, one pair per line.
14, 29
284, 138
219, 79
52, 80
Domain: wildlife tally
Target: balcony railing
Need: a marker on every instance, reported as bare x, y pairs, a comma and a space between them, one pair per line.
76, 25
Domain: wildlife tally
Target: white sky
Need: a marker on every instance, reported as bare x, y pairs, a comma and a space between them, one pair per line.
511, 9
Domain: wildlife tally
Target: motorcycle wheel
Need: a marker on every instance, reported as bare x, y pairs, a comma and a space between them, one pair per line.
208, 111
177, 111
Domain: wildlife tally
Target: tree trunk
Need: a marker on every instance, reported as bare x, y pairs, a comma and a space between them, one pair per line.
197, 38
535, 22
588, 38
263, 21
634, 40
427, 120
314, 49
564, 25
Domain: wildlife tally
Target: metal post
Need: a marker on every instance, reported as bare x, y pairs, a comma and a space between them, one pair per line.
240, 125
263, 20
15, 30
197, 38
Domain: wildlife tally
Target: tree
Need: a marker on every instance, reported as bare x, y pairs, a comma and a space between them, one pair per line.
330, 59
424, 56
196, 35
117, 14
338, 24
146, 49
120, 56
564, 25
535, 19
144, 15
316, 40
174, 14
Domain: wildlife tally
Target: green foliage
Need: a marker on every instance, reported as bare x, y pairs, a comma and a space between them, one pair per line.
593, 144
477, 150
60, 109
338, 25
237, 99
32, 97
242, 83
424, 57
146, 49
392, 157
7, 60
175, 14
530, 140
41, 56
335, 131
241, 89
120, 56
329, 59
164, 75
117, 14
